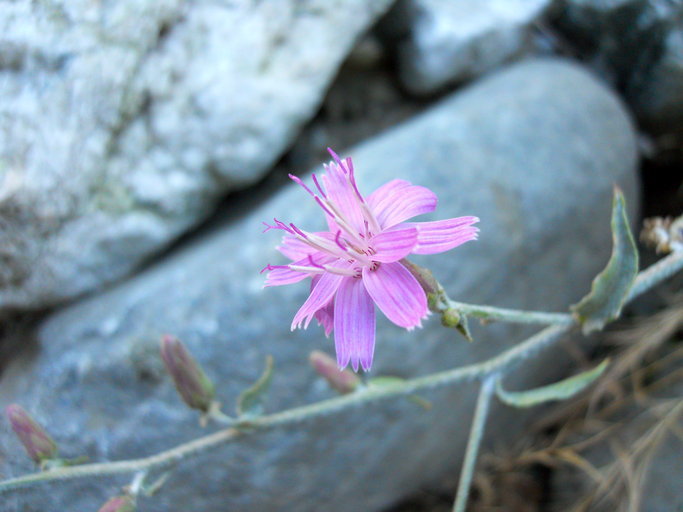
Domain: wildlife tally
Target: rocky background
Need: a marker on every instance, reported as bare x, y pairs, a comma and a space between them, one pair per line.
142, 144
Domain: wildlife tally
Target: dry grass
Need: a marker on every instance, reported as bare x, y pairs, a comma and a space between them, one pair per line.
594, 452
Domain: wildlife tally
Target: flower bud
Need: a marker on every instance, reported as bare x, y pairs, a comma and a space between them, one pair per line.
192, 384
344, 381
424, 276
119, 504
450, 318
38, 444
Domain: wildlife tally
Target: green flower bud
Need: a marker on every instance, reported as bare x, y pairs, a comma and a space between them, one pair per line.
344, 381
119, 504
37, 443
450, 318
192, 384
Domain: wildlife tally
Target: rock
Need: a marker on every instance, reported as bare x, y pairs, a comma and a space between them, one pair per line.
450, 41
124, 122
615, 37
637, 45
657, 96
534, 151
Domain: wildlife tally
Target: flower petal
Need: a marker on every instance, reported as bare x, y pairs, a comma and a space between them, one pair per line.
442, 235
394, 244
397, 293
321, 294
399, 200
282, 276
294, 248
341, 193
325, 315
354, 325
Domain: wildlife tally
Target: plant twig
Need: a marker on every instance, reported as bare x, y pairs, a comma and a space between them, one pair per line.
490, 313
499, 364
474, 442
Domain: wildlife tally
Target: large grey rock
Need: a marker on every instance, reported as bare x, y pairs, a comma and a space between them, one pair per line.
449, 41
534, 151
121, 123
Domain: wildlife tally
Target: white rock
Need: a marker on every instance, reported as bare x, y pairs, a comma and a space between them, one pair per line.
452, 40
121, 123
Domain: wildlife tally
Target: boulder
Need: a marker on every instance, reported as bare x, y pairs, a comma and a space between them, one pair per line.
657, 96
533, 150
443, 42
123, 123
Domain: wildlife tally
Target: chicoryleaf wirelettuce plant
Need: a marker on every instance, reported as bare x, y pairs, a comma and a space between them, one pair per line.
613, 288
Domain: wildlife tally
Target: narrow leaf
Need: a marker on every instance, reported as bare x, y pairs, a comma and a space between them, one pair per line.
561, 390
463, 329
250, 402
389, 382
610, 288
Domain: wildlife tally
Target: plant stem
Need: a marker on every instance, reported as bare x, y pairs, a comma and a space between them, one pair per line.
473, 443
480, 371
510, 315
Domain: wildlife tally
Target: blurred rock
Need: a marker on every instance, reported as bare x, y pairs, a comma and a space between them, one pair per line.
658, 95
122, 123
613, 37
637, 45
442, 42
534, 151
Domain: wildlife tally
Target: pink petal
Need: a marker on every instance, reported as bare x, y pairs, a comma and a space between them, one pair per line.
354, 325
325, 315
321, 294
341, 193
282, 276
442, 235
294, 248
394, 244
398, 200
397, 293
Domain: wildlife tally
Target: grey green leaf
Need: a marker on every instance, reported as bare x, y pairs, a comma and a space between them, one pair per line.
561, 390
251, 401
611, 287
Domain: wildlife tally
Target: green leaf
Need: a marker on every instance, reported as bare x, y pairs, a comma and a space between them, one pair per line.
610, 288
250, 402
389, 382
561, 390
463, 329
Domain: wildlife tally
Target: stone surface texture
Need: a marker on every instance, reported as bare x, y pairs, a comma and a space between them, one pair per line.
450, 41
533, 150
658, 95
122, 123
637, 45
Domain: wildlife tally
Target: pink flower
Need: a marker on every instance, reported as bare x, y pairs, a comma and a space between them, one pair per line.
355, 264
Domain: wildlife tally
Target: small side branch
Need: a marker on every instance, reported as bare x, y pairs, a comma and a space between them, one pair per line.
490, 313
473, 443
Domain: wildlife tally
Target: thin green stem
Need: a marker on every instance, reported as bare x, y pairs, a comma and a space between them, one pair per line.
473, 443
496, 365
490, 313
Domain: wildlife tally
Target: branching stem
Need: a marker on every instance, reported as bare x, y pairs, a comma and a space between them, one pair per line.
474, 442
483, 371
